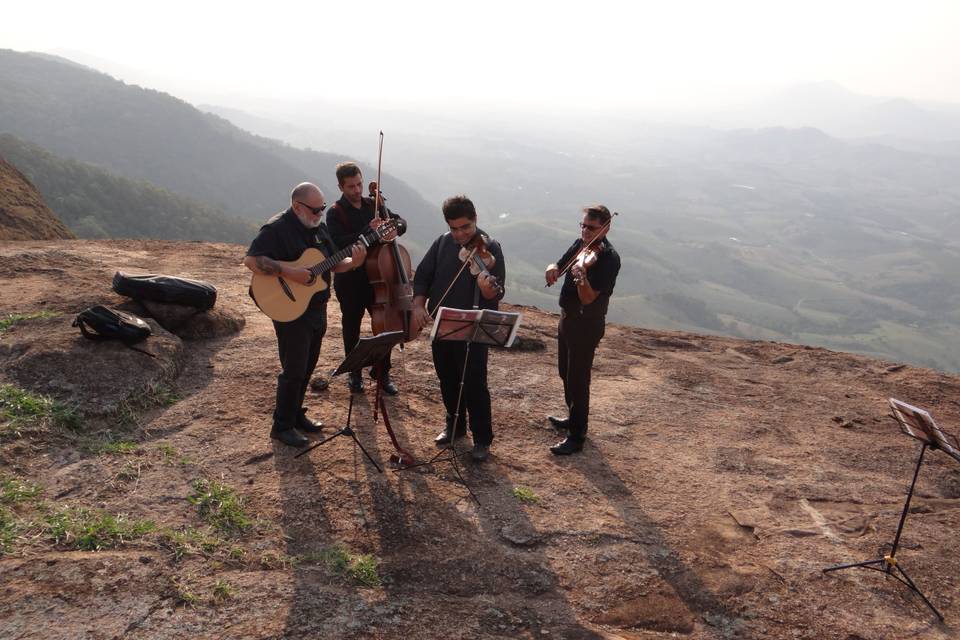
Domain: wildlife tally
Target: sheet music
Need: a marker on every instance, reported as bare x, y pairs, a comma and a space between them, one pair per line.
480, 326
919, 424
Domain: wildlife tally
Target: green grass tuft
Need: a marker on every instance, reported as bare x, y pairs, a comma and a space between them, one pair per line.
169, 455
12, 318
129, 411
21, 410
189, 541
219, 505
223, 590
91, 530
361, 568
129, 472
14, 491
8, 530
121, 447
183, 595
272, 559
162, 395
523, 494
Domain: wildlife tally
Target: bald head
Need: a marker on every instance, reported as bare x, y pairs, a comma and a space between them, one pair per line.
304, 191
308, 203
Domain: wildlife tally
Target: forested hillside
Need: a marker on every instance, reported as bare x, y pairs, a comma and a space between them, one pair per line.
142, 134
95, 203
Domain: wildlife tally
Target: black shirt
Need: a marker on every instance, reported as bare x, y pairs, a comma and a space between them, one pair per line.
346, 222
441, 263
285, 238
602, 277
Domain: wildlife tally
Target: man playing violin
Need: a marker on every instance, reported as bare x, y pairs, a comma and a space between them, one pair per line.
284, 238
592, 267
347, 219
441, 279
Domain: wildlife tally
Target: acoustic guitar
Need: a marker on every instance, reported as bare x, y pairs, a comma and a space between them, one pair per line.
285, 300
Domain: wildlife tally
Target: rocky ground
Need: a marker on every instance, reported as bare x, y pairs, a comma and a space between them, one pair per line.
720, 478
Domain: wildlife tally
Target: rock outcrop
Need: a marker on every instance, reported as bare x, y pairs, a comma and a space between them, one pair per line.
23, 213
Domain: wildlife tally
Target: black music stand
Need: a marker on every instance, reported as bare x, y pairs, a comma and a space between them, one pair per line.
368, 352
480, 326
917, 424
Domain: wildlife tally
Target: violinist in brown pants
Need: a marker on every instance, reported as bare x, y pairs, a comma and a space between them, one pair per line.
591, 265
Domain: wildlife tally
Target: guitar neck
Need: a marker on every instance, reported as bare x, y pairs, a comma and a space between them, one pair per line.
335, 259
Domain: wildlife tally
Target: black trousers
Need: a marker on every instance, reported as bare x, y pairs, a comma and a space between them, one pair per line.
355, 296
577, 340
299, 345
448, 358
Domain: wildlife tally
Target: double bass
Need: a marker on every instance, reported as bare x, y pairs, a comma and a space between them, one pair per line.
389, 271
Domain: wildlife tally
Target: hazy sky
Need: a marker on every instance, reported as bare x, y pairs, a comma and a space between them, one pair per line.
493, 52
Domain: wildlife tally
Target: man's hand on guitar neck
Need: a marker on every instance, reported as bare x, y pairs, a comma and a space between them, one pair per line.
390, 235
355, 261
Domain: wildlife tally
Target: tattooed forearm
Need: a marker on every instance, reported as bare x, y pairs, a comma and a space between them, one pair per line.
267, 266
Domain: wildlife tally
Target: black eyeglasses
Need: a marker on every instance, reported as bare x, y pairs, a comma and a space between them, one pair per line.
316, 210
590, 226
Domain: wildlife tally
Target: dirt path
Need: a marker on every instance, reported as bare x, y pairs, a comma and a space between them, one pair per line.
720, 477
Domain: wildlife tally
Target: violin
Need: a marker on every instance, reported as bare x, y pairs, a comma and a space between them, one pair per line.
477, 255
585, 259
476, 252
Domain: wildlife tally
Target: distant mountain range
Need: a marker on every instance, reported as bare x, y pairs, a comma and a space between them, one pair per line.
845, 114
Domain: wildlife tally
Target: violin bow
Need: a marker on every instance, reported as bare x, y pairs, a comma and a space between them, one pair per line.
566, 267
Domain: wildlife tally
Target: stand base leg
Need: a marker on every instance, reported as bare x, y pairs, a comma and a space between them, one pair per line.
866, 563
346, 431
888, 565
452, 457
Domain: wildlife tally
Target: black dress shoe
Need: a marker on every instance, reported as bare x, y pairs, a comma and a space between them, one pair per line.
389, 388
291, 437
560, 424
355, 382
567, 447
480, 452
443, 438
307, 425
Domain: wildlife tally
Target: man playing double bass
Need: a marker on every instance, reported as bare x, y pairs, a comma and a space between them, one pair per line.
347, 219
593, 267
440, 278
